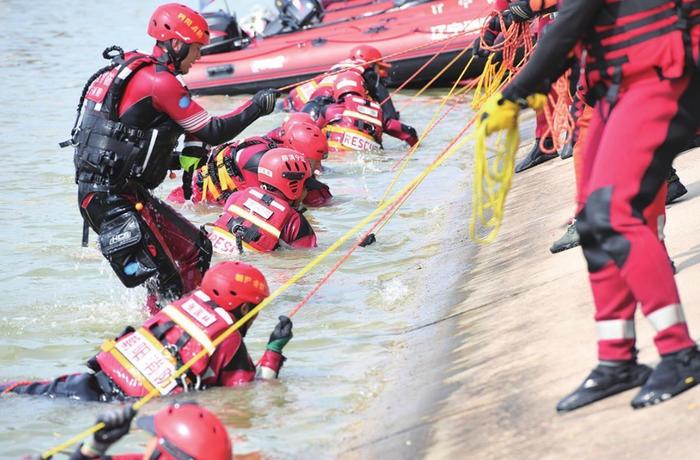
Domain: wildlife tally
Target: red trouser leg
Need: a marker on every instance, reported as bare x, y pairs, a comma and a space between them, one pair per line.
187, 248
628, 156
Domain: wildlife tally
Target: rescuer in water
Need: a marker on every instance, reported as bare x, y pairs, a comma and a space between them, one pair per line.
182, 430
234, 166
135, 111
141, 360
261, 218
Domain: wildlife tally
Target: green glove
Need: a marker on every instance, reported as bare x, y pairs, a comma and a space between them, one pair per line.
189, 163
281, 335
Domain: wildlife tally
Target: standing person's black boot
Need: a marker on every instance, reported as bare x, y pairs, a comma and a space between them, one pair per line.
675, 188
536, 155
675, 373
607, 379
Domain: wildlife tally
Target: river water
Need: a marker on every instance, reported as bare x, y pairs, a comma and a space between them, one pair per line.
349, 364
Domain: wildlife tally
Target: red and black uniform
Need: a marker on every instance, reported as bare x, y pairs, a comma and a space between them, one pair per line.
135, 111
142, 359
643, 77
235, 167
355, 123
260, 219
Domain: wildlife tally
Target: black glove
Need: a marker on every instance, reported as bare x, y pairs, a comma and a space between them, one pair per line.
477, 50
265, 99
117, 423
187, 184
410, 130
521, 10
281, 335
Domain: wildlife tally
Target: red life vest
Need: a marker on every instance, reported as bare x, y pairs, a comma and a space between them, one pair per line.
252, 218
139, 361
226, 172
318, 87
638, 39
354, 124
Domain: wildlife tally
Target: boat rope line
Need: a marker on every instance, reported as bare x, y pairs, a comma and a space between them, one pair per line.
431, 125
392, 55
417, 72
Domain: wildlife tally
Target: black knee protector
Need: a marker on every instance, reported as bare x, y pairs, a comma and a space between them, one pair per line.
126, 242
598, 219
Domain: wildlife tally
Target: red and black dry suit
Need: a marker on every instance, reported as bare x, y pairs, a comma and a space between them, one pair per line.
259, 219
131, 122
143, 359
234, 166
643, 76
359, 123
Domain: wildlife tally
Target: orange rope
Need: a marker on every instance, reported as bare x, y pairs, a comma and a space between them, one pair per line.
560, 123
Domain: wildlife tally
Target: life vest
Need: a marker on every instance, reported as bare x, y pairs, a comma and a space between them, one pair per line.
318, 87
636, 39
139, 361
109, 153
253, 218
225, 171
354, 124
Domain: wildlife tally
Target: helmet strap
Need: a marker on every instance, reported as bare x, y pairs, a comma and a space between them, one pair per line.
176, 57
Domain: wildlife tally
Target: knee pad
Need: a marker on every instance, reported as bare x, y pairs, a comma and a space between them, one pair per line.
596, 258
127, 244
598, 217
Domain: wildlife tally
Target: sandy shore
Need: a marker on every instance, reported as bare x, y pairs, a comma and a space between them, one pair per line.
525, 338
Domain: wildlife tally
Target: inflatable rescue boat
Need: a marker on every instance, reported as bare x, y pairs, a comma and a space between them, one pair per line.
408, 35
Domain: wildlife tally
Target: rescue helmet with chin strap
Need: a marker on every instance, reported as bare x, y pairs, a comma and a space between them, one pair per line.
307, 139
174, 21
368, 55
284, 170
235, 286
187, 430
349, 82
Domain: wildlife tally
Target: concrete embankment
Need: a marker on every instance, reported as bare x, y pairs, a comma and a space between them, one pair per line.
526, 337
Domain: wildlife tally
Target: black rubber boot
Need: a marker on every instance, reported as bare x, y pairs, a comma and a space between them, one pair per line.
675, 373
567, 151
536, 156
569, 239
605, 381
675, 188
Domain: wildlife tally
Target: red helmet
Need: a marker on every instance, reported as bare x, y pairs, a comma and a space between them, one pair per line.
235, 285
368, 53
174, 20
349, 83
286, 170
307, 139
187, 430
294, 118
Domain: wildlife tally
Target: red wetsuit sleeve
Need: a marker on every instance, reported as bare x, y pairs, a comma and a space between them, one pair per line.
231, 364
549, 59
171, 97
297, 232
270, 364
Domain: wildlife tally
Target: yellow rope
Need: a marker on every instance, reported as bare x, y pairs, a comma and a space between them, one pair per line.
306, 269
431, 124
492, 181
